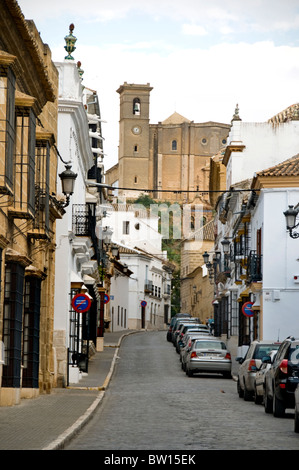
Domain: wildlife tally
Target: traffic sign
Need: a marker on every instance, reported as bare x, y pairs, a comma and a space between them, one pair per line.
143, 303
247, 309
106, 299
81, 303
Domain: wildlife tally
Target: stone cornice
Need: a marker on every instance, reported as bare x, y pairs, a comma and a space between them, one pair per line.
16, 257
233, 147
260, 182
28, 38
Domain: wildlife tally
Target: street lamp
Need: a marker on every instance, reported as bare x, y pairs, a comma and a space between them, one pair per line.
114, 251
206, 257
291, 215
107, 235
68, 178
226, 244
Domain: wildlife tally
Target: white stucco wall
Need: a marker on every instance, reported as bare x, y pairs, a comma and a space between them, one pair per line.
265, 146
144, 243
280, 294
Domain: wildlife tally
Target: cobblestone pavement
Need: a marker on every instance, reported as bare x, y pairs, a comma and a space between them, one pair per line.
152, 405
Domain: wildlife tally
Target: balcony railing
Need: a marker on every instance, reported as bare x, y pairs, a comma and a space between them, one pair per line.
84, 223
254, 267
148, 287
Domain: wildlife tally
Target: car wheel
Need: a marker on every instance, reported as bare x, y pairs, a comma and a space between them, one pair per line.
257, 398
296, 421
268, 403
227, 375
278, 407
247, 394
239, 389
190, 373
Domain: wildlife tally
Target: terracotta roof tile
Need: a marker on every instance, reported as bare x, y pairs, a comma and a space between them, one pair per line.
289, 167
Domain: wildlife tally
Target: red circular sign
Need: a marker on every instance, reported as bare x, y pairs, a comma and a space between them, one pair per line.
81, 303
247, 309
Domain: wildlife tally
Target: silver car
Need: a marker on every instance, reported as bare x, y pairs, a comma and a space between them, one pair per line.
259, 382
184, 329
188, 339
250, 364
208, 355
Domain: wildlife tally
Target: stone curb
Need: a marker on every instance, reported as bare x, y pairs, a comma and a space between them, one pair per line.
67, 435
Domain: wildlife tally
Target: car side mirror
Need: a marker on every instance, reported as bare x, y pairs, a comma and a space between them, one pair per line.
240, 359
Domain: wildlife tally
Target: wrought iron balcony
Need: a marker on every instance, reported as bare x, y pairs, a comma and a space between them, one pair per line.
84, 223
148, 287
254, 267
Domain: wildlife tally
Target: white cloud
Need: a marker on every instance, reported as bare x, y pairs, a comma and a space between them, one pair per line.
201, 85
193, 30
247, 15
201, 81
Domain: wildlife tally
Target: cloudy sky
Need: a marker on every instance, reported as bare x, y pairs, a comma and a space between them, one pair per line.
201, 57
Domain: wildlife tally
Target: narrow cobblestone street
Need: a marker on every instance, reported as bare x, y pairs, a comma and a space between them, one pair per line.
152, 405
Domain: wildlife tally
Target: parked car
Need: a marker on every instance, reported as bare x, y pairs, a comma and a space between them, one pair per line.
184, 329
259, 382
208, 355
172, 322
187, 341
177, 325
296, 421
282, 378
250, 364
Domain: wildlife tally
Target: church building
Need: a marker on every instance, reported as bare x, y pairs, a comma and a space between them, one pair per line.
170, 160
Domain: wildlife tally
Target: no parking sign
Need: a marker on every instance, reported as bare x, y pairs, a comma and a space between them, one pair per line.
143, 303
81, 303
247, 309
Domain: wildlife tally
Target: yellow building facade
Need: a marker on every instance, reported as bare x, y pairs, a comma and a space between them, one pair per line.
29, 207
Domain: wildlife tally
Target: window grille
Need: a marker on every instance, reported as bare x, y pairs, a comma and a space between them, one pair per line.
12, 324
42, 160
24, 164
77, 351
7, 129
31, 329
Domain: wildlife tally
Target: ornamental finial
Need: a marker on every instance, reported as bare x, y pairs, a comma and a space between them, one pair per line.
70, 43
236, 116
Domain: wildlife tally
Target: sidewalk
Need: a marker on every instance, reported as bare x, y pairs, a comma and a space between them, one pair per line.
49, 421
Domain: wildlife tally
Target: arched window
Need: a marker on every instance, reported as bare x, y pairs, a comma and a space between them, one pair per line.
173, 145
136, 106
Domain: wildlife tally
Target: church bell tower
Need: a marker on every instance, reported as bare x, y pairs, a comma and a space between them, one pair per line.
133, 153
